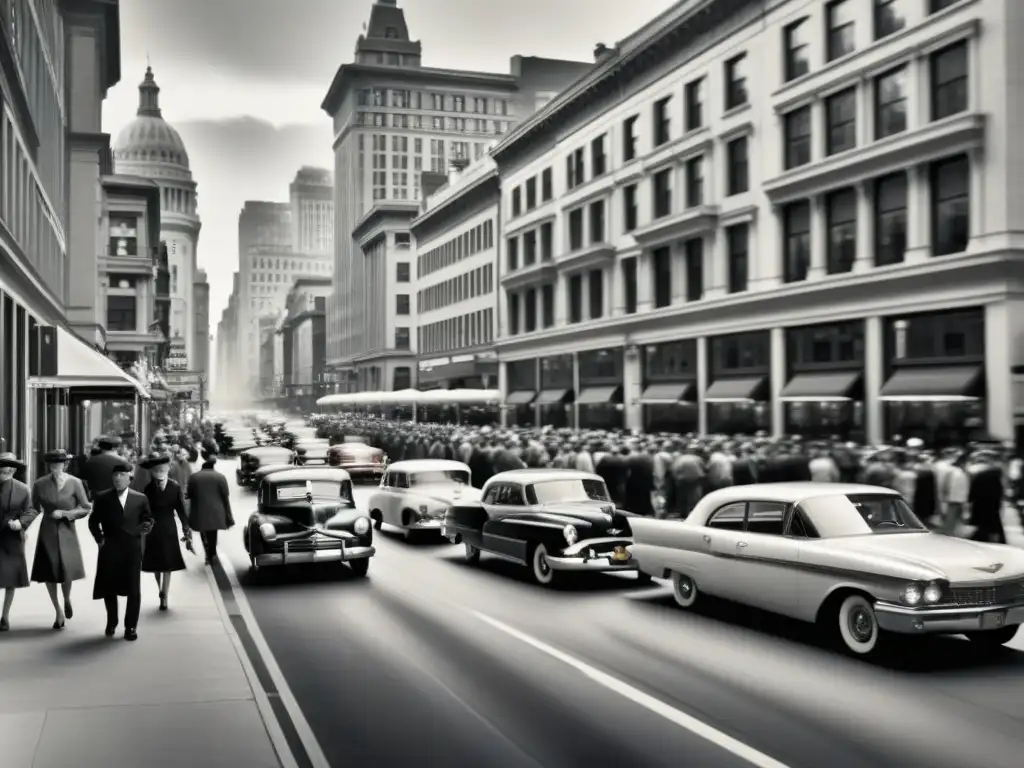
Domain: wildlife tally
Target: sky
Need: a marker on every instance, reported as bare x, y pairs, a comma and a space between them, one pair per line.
243, 80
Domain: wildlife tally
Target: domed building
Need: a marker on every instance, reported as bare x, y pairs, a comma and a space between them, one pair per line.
150, 147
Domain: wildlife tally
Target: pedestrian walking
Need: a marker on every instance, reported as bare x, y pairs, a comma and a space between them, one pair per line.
209, 502
119, 522
16, 515
61, 501
162, 555
99, 468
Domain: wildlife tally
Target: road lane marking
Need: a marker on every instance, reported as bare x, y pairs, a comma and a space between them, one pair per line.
656, 706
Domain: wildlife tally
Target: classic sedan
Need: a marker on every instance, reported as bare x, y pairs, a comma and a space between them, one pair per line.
312, 451
414, 495
308, 515
253, 458
550, 520
362, 461
852, 558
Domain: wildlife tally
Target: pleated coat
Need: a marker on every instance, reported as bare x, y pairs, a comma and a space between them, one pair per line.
58, 554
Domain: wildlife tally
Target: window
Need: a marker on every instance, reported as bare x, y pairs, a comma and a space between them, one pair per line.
629, 208
766, 517
740, 352
547, 244
402, 304
890, 219
662, 121
662, 193
840, 29
598, 160
402, 272
597, 222
513, 314
575, 298
737, 242
737, 157
934, 6
517, 201
671, 361
530, 248
694, 256
574, 169
530, 311
513, 254
890, 17
797, 45
798, 137
695, 104
595, 285
841, 212
121, 313
943, 335
949, 81
891, 103
841, 121
950, 191
736, 82
402, 378
813, 346
547, 305
729, 518
629, 138
695, 182
796, 222
629, 284
547, 188
531, 193
576, 229
661, 275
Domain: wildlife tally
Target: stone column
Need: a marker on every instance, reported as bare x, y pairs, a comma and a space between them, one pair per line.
703, 380
874, 378
777, 379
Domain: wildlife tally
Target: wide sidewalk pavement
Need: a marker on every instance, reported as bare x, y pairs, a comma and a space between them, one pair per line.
178, 696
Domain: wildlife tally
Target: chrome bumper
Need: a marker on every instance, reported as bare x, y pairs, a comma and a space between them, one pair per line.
428, 524
333, 555
921, 621
603, 564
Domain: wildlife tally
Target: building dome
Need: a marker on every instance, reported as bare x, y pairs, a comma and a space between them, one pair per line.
149, 138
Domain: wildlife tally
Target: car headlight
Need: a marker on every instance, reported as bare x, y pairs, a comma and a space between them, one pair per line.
268, 531
571, 534
933, 593
362, 525
912, 594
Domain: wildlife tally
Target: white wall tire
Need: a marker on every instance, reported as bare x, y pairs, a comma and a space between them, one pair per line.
684, 590
472, 554
858, 626
542, 571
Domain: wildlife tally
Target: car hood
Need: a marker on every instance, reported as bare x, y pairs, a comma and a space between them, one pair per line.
597, 514
958, 560
449, 493
328, 514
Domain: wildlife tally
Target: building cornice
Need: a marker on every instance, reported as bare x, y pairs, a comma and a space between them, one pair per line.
381, 215
477, 195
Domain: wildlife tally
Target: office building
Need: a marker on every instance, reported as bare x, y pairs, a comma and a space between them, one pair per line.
201, 295
229, 376
312, 211
303, 342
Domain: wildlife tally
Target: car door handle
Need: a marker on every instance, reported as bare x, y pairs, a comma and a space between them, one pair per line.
707, 539
741, 544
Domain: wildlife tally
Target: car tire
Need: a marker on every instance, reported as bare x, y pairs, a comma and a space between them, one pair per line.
684, 590
993, 639
858, 625
541, 571
378, 519
360, 567
472, 554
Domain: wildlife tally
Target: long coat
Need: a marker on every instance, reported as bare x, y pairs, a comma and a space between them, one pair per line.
639, 485
58, 555
163, 550
99, 472
209, 500
15, 504
120, 534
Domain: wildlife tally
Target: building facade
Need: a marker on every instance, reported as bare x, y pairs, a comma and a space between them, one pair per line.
456, 285
228, 377
394, 119
304, 339
792, 218
312, 211
201, 294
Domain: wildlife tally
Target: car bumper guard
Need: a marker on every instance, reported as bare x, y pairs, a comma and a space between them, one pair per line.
342, 554
921, 621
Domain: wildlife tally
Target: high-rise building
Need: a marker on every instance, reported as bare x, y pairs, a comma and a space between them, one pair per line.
394, 119
201, 291
229, 377
312, 200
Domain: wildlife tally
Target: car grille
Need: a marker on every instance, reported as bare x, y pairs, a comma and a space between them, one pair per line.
980, 596
308, 545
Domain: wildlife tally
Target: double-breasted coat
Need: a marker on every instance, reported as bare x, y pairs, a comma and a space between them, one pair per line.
15, 504
163, 549
120, 532
209, 500
58, 554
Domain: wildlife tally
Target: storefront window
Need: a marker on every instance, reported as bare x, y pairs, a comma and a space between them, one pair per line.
676, 418
672, 361
957, 335
823, 420
556, 372
600, 366
740, 353
521, 376
938, 424
738, 418
825, 345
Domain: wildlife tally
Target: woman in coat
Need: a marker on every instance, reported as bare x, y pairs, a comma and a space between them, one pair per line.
162, 555
209, 502
61, 501
16, 515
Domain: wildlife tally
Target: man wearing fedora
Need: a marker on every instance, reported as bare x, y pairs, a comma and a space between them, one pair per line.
99, 469
119, 522
162, 555
16, 515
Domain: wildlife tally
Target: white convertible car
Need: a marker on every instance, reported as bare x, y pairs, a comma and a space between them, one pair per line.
852, 558
414, 495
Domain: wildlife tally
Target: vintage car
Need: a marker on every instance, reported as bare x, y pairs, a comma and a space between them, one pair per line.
414, 495
852, 558
253, 458
236, 441
308, 515
550, 520
267, 469
313, 451
362, 461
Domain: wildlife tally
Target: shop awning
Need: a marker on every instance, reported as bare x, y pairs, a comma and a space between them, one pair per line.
552, 396
599, 395
833, 386
748, 389
669, 394
520, 397
940, 384
79, 366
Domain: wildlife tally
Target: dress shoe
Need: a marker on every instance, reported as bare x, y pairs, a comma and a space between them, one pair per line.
69, 612
58, 624
109, 631
163, 603
131, 634
5, 625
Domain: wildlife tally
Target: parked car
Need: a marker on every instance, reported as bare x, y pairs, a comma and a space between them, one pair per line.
267, 469
308, 515
362, 461
252, 459
852, 558
414, 495
550, 520
311, 451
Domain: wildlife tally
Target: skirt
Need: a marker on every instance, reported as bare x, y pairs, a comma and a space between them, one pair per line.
13, 566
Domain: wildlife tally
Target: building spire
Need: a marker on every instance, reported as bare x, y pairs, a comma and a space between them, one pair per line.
149, 96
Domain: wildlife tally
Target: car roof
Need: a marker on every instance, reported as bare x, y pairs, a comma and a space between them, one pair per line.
302, 474
792, 493
426, 465
269, 468
279, 448
541, 475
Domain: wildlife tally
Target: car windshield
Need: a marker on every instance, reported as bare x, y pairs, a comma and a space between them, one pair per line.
439, 476
551, 491
860, 515
322, 489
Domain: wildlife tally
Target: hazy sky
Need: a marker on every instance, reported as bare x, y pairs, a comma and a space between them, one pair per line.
242, 81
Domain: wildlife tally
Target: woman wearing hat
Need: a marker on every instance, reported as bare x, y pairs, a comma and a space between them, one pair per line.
162, 555
16, 515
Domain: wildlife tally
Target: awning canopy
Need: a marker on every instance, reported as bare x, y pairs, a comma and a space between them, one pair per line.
552, 396
79, 366
599, 395
668, 393
938, 384
743, 389
520, 397
833, 386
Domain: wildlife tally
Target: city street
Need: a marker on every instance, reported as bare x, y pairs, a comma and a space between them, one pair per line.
431, 661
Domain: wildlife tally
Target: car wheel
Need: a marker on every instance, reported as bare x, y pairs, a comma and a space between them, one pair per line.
360, 567
378, 519
992, 639
540, 567
684, 590
472, 553
858, 626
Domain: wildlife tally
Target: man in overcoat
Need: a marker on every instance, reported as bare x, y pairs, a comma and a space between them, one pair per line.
119, 522
99, 469
209, 501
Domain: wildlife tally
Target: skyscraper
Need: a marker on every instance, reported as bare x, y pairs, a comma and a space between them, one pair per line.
312, 201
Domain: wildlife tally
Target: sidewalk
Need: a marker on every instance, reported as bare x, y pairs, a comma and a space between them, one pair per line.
178, 696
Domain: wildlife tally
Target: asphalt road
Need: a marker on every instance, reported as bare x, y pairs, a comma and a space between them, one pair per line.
432, 662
